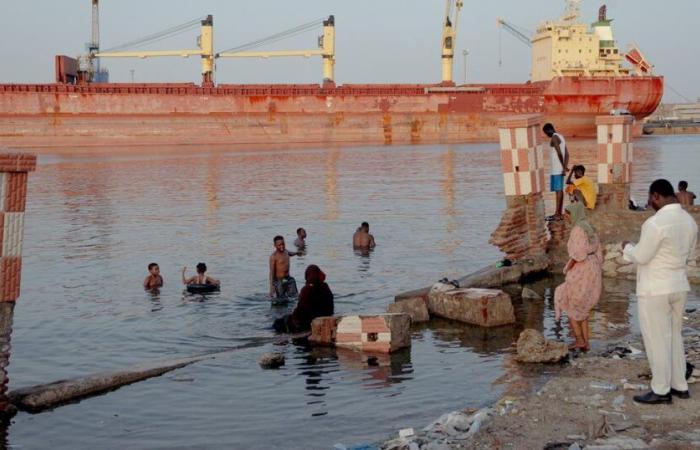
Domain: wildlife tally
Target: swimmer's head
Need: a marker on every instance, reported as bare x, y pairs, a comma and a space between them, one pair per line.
301, 233
279, 243
153, 268
201, 268
365, 226
682, 186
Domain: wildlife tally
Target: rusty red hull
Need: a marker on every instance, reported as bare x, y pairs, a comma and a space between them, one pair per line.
111, 114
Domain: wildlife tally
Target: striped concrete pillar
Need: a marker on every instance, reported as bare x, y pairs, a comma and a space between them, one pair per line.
14, 169
522, 158
521, 232
615, 156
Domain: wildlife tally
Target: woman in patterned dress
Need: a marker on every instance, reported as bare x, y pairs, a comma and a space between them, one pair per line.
584, 279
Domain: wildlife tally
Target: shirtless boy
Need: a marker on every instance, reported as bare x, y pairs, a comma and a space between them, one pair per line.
685, 197
281, 284
362, 238
300, 241
154, 280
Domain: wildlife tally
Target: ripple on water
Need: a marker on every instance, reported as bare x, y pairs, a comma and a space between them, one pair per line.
94, 223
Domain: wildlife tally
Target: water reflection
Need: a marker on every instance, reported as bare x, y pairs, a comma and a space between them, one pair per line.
332, 202
363, 256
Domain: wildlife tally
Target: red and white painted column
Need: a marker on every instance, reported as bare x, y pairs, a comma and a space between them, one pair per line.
14, 171
521, 232
615, 156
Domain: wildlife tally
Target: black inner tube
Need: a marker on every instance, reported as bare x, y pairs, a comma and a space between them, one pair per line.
200, 288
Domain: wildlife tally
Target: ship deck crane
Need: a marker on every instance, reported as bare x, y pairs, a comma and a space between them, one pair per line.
449, 38
205, 50
512, 29
326, 47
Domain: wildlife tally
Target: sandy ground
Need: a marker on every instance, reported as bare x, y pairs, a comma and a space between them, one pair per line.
575, 408
585, 404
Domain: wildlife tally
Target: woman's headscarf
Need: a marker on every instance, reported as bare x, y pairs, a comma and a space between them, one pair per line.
314, 275
578, 218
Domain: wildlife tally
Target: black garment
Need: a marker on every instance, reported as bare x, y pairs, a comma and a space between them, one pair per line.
314, 301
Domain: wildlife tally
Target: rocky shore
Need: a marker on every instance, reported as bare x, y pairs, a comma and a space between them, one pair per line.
587, 404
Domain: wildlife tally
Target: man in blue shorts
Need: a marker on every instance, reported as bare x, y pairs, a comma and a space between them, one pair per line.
559, 165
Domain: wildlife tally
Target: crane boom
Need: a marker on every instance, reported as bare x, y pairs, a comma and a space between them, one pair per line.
522, 37
326, 50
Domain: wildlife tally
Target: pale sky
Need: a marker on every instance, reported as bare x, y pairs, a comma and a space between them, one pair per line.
378, 41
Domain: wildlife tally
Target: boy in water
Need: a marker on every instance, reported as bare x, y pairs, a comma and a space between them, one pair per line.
362, 238
300, 241
282, 285
581, 186
685, 197
154, 280
200, 278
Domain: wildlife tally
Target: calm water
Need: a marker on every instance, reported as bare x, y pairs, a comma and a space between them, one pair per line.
94, 222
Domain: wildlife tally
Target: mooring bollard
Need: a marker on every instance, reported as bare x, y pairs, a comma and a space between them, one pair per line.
14, 171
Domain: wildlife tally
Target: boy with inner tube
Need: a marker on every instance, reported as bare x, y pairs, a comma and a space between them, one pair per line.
201, 278
282, 285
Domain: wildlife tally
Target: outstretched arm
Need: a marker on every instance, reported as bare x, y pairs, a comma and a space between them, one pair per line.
272, 276
184, 280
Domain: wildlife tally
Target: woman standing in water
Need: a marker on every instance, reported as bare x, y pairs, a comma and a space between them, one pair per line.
584, 279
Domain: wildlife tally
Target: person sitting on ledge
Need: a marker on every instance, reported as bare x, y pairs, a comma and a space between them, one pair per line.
315, 300
685, 197
154, 280
201, 278
581, 186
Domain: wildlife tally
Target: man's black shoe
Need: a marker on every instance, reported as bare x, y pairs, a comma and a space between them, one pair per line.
680, 394
651, 398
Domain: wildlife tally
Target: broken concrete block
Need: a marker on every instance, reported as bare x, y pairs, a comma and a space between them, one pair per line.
484, 307
382, 333
534, 348
414, 307
323, 330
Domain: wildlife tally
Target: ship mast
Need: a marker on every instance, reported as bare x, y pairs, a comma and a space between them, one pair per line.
449, 38
572, 12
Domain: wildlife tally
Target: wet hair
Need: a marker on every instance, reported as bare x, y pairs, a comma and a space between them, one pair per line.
201, 268
299, 230
548, 127
277, 238
365, 225
152, 265
581, 168
683, 185
662, 187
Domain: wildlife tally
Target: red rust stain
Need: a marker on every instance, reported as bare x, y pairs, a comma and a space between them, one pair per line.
416, 126
386, 121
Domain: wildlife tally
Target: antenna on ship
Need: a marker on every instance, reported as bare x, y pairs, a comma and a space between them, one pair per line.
572, 12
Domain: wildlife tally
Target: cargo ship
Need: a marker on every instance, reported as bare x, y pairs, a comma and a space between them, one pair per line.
577, 72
